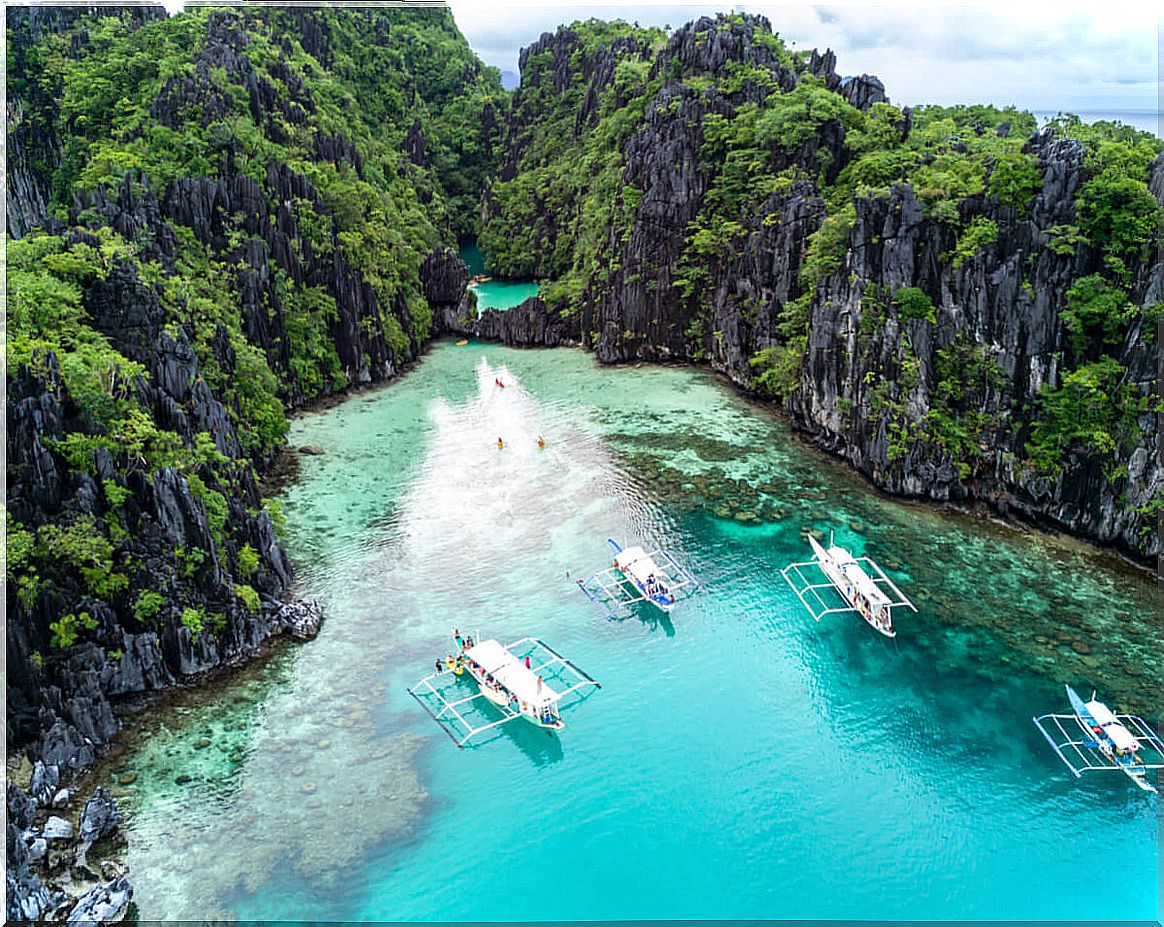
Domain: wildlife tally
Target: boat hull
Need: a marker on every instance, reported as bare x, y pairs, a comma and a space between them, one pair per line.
500, 699
556, 725
833, 571
1126, 763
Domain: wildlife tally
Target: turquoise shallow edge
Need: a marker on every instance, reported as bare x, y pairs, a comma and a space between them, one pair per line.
741, 761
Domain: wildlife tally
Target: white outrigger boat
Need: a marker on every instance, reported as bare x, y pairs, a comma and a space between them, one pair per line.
1109, 741
637, 576
512, 678
867, 595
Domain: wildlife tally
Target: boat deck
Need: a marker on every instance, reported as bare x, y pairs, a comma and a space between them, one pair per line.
612, 591
465, 716
1080, 751
824, 598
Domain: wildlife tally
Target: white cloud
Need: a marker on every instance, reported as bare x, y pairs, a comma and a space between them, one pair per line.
1043, 56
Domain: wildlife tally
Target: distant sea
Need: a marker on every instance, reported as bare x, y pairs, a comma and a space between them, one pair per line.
1146, 120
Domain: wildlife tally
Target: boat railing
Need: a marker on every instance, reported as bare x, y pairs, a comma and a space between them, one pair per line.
440, 696
613, 591
806, 586
1080, 750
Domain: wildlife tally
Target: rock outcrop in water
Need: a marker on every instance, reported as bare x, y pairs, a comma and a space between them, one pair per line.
679, 277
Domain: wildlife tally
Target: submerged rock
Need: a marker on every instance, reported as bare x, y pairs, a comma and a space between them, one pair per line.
311, 449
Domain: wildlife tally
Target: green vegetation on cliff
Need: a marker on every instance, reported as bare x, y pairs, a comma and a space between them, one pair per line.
731, 125
241, 202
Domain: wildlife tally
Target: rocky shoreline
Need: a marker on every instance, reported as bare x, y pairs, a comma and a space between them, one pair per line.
532, 324
63, 864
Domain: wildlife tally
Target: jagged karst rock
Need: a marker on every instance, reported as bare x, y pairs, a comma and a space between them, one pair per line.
57, 828
863, 91
43, 784
103, 904
27, 897
1005, 298
301, 618
101, 816
445, 277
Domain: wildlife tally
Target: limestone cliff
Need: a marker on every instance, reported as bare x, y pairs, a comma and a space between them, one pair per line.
876, 379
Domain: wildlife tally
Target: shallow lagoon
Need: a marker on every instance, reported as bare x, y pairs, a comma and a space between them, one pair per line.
741, 761
494, 294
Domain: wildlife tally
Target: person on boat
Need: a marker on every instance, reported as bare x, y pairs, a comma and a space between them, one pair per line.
527, 666
500, 444
468, 642
541, 442
440, 667
539, 684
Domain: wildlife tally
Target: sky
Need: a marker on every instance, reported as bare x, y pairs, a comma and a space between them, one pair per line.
1041, 56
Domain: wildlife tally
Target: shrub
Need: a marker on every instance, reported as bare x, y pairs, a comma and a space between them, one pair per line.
68, 627
147, 605
193, 619
977, 235
778, 368
1094, 411
248, 597
1118, 214
913, 303
115, 495
1097, 314
1014, 179
248, 561
87, 550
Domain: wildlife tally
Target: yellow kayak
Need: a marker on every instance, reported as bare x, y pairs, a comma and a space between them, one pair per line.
461, 344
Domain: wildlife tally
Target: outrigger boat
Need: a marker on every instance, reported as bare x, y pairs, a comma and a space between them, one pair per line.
1109, 741
637, 576
507, 677
867, 595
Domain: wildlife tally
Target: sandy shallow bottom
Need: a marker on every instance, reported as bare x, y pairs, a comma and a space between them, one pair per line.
741, 760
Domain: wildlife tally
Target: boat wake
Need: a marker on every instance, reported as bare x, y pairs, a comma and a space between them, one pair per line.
505, 515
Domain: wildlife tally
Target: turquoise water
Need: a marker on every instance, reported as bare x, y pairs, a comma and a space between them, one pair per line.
496, 294
740, 761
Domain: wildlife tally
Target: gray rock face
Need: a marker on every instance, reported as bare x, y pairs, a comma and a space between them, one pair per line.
863, 91
103, 903
445, 277
56, 828
100, 818
43, 785
301, 618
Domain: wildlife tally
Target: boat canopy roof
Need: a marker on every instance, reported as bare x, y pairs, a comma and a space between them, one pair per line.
859, 578
1120, 735
511, 673
639, 564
